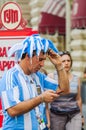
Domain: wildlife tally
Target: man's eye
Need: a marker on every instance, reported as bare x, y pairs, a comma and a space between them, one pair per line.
63, 61
40, 59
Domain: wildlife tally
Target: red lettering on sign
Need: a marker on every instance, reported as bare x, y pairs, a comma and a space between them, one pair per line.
10, 16
3, 51
10, 64
6, 65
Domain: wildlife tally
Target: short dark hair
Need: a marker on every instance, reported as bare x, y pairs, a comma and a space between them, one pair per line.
34, 53
23, 56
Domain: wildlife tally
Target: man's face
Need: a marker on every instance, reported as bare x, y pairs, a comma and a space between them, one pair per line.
37, 62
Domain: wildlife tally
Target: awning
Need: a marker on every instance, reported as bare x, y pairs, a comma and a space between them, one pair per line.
79, 14
52, 18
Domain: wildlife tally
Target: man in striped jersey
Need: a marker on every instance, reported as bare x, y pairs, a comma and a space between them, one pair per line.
22, 87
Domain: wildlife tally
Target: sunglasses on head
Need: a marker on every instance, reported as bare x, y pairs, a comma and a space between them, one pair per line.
64, 52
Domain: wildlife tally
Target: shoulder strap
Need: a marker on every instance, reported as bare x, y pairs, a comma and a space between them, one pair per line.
55, 75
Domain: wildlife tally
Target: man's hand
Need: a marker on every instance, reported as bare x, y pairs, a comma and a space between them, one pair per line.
49, 96
54, 58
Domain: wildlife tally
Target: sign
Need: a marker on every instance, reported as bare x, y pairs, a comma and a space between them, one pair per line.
7, 40
3, 62
11, 15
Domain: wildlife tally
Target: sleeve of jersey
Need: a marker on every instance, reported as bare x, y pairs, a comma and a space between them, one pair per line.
10, 97
47, 82
50, 83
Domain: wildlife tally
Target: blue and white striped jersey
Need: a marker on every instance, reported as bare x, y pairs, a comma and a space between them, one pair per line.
17, 87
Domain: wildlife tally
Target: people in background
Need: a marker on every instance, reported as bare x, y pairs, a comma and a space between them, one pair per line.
25, 90
66, 111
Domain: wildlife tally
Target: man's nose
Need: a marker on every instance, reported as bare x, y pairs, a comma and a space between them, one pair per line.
42, 63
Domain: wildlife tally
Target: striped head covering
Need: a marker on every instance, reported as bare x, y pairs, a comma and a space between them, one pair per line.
31, 43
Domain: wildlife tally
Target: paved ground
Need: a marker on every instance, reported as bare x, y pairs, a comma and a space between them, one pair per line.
84, 113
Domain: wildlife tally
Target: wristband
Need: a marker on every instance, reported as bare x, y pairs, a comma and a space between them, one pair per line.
61, 68
42, 98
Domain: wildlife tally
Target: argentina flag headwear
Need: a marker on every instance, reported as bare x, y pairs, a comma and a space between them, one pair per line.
31, 43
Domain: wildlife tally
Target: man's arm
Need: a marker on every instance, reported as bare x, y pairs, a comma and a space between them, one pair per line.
62, 79
26, 106
62, 76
